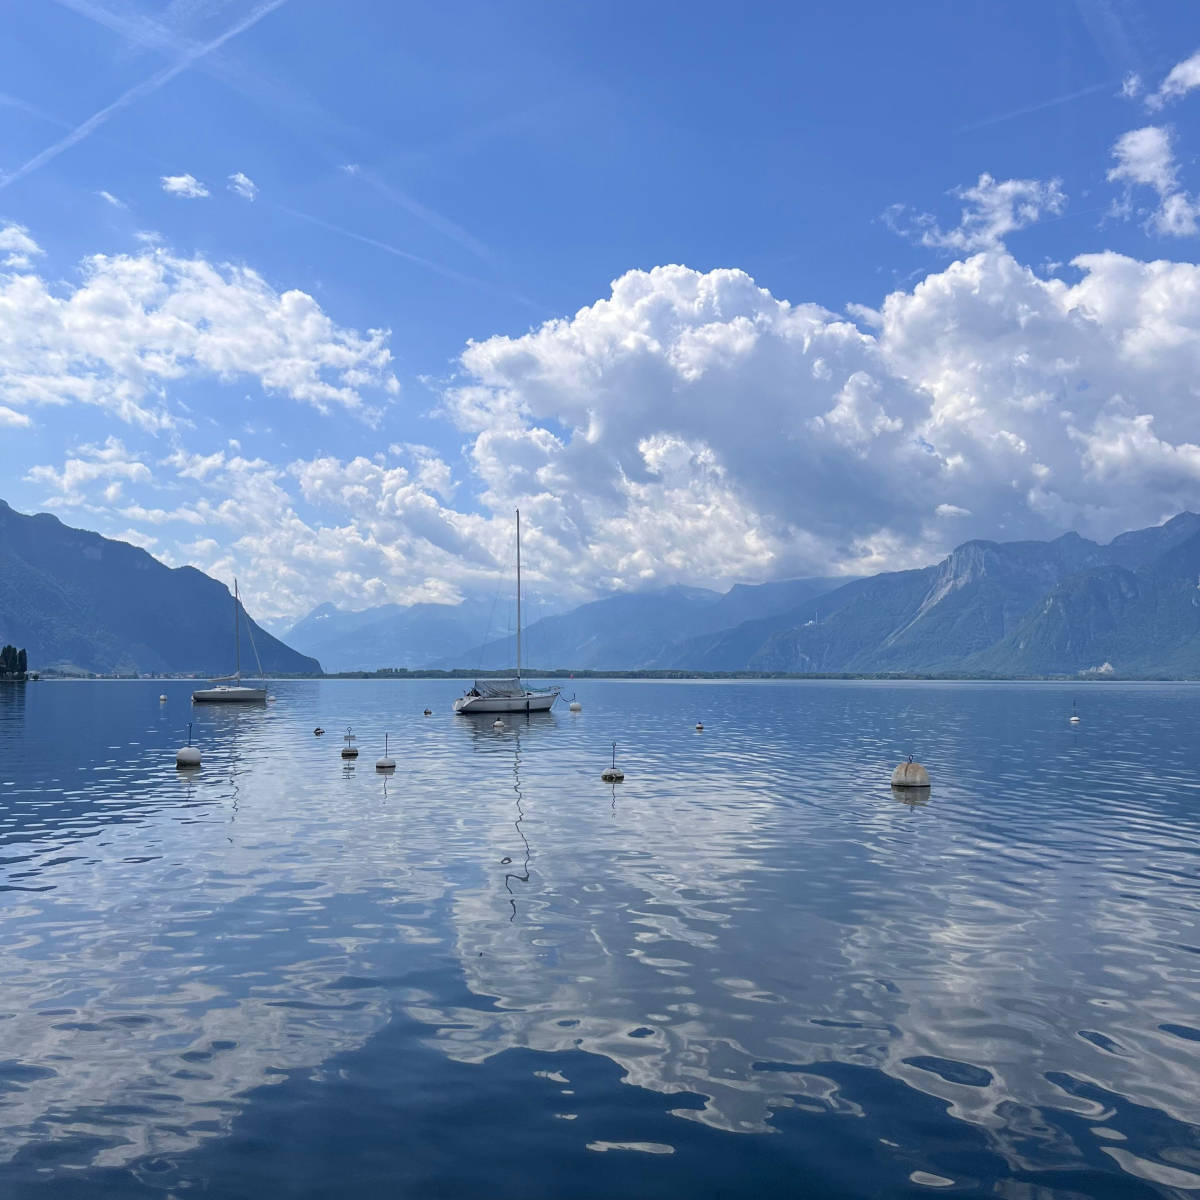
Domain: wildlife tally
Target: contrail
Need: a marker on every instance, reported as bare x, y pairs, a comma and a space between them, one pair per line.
422, 212
139, 90
428, 263
1032, 108
7, 101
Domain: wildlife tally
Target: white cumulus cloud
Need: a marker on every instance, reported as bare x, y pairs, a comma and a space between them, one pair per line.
137, 323
243, 185
186, 186
687, 427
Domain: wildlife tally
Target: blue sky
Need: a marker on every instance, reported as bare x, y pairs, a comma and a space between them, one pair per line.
270, 182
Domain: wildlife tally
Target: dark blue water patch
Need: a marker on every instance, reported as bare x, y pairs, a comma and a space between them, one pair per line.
14, 1075
1104, 1042
952, 1071
1188, 1032
400, 1136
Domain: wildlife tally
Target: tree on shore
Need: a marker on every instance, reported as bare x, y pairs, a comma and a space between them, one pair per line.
13, 663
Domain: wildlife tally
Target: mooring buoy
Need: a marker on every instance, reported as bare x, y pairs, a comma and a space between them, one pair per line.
385, 763
613, 774
910, 775
189, 755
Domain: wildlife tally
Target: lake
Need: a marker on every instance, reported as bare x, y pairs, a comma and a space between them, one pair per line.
749, 969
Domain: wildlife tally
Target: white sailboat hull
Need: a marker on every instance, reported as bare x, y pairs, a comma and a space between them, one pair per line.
230, 695
529, 702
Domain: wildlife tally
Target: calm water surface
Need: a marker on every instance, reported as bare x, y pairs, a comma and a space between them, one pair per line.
747, 970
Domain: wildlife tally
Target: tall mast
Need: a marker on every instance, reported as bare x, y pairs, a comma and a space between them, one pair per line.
237, 635
518, 593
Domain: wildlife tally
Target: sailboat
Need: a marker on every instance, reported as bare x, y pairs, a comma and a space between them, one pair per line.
507, 695
233, 692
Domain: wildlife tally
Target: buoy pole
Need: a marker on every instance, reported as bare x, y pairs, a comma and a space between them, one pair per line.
386, 763
188, 755
613, 774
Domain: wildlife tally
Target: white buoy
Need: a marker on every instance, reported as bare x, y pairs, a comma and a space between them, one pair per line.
613, 774
575, 706
189, 755
385, 763
163, 698
910, 775
1074, 717
497, 724
699, 726
349, 750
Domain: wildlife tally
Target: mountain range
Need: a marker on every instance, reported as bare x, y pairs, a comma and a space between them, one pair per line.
1068, 606
1063, 607
634, 630
77, 601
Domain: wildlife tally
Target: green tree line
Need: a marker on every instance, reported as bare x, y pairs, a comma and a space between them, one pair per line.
13, 663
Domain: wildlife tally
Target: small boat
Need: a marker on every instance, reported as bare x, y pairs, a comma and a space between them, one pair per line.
508, 695
504, 696
229, 689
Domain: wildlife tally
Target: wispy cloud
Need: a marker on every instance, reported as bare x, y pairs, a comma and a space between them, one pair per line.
1131, 86
1183, 77
243, 185
139, 91
1146, 158
992, 209
188, 187
109, 198
18, 248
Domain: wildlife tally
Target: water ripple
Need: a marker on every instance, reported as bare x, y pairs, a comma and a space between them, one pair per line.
753, 935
